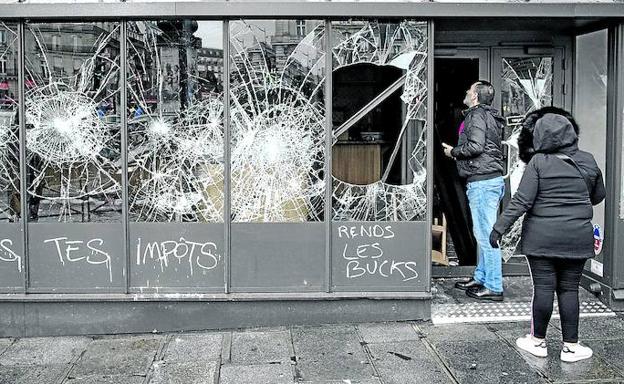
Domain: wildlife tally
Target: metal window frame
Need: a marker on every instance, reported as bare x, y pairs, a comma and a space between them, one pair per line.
302, 9
614, 225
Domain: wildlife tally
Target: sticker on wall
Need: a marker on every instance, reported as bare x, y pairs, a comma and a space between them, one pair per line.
598, 239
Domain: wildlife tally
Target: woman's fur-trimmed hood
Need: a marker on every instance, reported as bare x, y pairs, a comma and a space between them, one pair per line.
525, 139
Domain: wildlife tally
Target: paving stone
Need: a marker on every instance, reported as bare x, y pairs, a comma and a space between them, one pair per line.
601, 328
124, 355
521, 328
107, 379
260, 347
330, 353
185, 347
407, 362
387, 332
44, 350
196, 372
32, 374
487, 362
341, 382
457, 332
612, 351
553, 368
4, 344
256, 374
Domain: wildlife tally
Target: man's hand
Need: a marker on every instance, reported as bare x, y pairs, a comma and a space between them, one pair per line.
447, 150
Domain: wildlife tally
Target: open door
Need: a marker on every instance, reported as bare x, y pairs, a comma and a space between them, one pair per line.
590, 111
525, 79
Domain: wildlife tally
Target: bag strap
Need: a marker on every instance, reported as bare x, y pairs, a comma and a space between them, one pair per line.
585, 176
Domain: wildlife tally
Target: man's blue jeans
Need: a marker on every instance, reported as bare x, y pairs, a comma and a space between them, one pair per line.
484, 198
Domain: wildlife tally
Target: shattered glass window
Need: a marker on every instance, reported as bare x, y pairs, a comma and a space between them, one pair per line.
73, 122
379, 113
527, 85
175, 121
277, 120
9, 127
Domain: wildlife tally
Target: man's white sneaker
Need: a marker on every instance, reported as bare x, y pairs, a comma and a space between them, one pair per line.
572, 352
532, 345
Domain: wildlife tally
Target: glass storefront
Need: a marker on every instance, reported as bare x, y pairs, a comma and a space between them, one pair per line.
127, 163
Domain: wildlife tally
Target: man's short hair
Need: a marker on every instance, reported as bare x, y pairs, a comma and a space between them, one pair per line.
485, 92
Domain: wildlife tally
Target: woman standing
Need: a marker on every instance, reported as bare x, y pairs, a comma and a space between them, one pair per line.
557, 191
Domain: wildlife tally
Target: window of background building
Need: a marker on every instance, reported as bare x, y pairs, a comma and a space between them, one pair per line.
58, 62
301, 27
3, 66
76, 43
56, 41
2, 37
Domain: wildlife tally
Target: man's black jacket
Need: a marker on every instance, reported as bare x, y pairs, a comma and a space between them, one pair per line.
479, 151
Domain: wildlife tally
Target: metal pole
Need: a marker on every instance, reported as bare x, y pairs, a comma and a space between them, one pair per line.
227, 216
21, 110
430, 117
124, 149
328, 157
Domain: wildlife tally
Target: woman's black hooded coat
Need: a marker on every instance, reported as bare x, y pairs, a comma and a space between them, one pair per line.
552, 192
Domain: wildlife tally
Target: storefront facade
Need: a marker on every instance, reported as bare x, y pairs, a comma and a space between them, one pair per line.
201, 165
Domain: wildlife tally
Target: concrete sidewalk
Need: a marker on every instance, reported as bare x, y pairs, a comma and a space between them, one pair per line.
348, 353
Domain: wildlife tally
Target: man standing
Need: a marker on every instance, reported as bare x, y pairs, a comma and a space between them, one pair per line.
479, 159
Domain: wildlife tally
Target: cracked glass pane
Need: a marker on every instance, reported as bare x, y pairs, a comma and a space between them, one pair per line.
175, 124
9, 127
379, 120
277, 120
73, 122
526, 87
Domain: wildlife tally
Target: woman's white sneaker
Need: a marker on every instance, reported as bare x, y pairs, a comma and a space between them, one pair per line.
534, 346
572, 352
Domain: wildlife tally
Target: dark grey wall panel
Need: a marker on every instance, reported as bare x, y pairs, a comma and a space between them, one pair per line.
277, 257
379, 256
618, 252
46, 319
76, 257
180, 257
11, 258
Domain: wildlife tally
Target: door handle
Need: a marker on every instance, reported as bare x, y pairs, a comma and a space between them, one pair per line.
506, 144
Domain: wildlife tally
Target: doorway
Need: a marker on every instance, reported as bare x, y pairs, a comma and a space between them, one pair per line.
525, 80
453, 241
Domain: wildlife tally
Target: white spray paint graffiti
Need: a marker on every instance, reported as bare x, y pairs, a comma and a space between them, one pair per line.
201, 255
364, 253
73, 251
8, 255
